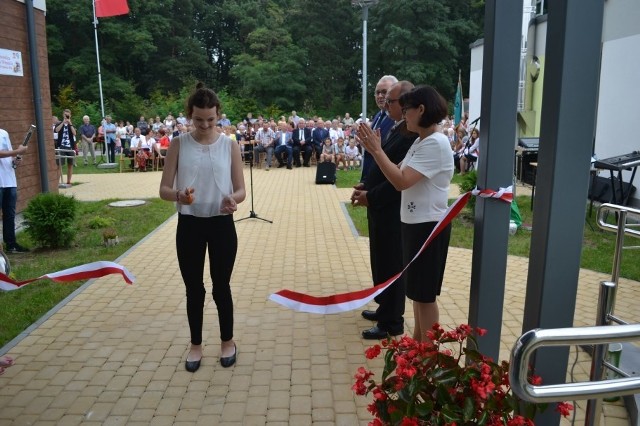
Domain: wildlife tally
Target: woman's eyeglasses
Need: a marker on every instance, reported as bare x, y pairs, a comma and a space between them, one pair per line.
405, 108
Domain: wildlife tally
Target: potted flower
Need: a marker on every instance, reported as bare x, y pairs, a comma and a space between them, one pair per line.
442, 382
110, 237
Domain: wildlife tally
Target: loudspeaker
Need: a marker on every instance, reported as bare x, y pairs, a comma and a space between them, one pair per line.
326, 173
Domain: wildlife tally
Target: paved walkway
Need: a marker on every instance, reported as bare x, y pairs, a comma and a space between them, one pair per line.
114, 354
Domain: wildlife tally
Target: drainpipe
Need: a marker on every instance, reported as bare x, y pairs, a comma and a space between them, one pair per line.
37, 97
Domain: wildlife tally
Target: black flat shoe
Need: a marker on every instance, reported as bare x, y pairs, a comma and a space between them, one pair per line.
370, 315
192, 366
375, 333
228, 361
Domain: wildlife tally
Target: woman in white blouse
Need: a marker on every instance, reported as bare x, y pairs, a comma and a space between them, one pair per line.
423, 177
203, 175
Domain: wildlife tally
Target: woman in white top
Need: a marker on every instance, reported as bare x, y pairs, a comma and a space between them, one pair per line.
203, 175
423, 177
470, 151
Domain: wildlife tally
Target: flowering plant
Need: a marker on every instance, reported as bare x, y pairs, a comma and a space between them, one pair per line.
427, 383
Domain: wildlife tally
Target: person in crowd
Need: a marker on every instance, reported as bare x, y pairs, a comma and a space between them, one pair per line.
347, 120
169, 122
381, 120
224, 121
66, 141
423, 177
9, 159
470, 151
88, 134
110, 139
143, 126
156, 124
205, 217
320, 133
460, 143
302, 144
121, 133
340, 154
294, 119
284, 144
137, 141
181, 119
160, 148
264, 143
352, 154
335, 132
383, 217
327, 151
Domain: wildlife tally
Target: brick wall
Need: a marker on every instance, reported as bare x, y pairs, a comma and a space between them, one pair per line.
17, 110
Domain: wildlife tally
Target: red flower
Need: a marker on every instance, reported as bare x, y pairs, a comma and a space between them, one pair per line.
564, 408
373, 352
443, 373
535, 380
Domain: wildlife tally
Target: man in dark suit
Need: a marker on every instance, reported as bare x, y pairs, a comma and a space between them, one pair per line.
301, 143
380, 121
318, 135
284, 144
383, 215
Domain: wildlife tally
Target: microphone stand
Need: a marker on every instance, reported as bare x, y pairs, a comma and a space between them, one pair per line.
252, 213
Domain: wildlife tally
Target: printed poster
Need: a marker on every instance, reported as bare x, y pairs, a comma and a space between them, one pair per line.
11, 63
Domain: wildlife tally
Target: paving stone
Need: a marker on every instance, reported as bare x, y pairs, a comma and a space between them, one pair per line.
114, 354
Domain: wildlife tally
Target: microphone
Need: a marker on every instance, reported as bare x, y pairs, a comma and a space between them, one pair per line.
474, 121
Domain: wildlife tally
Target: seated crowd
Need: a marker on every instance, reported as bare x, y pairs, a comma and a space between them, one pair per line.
293, 141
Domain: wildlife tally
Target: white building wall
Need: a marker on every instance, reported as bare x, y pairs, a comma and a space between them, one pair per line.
616, 125
619, 92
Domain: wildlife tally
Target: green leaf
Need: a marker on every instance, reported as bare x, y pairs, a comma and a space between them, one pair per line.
424, 409
451, 413
469, 409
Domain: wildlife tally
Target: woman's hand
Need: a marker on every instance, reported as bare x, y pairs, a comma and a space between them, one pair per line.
369, 139
228, 205
186, 197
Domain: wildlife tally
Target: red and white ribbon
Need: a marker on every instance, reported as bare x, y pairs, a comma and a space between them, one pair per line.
82, 272
353, 300
504, 194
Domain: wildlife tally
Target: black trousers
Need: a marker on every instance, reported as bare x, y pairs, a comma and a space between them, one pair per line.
194, 235
385, 250
306, 151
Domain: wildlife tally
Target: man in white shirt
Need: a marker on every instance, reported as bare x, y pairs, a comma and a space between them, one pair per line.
9, 191
264, 143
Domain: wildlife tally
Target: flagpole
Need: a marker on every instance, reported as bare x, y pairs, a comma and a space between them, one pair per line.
95, 31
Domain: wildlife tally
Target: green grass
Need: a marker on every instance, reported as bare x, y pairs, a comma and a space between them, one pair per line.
20, 308
81, 169
597, 246
348, 178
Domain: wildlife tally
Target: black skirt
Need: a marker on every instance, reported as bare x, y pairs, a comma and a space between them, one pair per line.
425, 275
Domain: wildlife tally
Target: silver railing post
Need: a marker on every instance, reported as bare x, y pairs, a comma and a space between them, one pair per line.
606, 301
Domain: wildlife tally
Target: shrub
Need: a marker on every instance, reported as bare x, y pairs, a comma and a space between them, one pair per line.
98, 222
468, 183
50, 220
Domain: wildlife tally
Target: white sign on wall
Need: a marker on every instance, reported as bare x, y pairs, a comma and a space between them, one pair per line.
11, 63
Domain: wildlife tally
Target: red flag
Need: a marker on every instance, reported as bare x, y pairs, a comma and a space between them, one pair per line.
106, 8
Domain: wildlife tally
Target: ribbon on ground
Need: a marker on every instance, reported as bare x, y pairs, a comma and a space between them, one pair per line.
353, 300
83, 272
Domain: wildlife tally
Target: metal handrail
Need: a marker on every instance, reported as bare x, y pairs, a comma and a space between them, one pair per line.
534, 339
605, 209
621, 229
